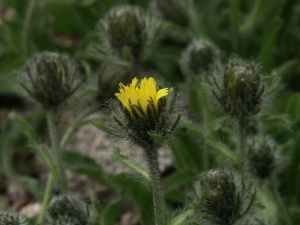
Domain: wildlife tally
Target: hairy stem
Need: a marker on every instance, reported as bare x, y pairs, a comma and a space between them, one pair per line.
152, 157
46, 200
241, 144
285, 214
76, 124
26, 27
57, 153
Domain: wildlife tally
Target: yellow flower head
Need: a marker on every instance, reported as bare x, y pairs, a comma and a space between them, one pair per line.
141, 94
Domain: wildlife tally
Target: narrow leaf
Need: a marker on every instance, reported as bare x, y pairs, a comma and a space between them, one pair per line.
117, 157
107, 130
200, 204
111, 211
194, 129
158, 140
182, 217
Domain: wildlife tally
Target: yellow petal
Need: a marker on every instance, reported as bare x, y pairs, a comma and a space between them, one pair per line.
161, 93
124, 99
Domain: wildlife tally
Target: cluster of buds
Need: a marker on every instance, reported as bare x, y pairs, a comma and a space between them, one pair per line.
127, 32
241, 93
67, 210
261, 157
199, 57
174, 11
12, 218
143, 112
50, 78
226, 203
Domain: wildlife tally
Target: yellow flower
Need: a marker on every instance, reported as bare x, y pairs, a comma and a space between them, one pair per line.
141, 93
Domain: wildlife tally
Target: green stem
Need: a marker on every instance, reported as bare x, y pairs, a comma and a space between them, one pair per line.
76, 125
57, 153
152, 157
26, 28
285, 214
234, 12
241, 145
46, 200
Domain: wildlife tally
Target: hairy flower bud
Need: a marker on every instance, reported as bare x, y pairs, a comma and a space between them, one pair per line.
50, 78
199, 56
225, 205
261, 157
68, 210
12, 218
242, 90
175, 11
125, 27
143, 112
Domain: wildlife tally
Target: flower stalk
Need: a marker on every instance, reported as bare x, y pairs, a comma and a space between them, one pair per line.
57, 153
152, 158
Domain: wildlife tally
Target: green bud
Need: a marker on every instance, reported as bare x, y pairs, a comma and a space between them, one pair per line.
124, 29
50, 78
12, 218
68, 210
261, 157
175, 11
226, 203
242, 90
199, 56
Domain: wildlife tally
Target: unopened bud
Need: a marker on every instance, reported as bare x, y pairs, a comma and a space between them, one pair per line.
124, 29
261, 157
199, 56
50, 78
226, 204
242, 90
68, 210
175, 11
12, 218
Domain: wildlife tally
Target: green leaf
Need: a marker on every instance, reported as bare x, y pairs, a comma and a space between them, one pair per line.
41, 149
221, 148
137, 193
218, 122
194, 128
107, 130
33, 186
84, 165
276, 118
117, 157
266, 54
158, 140
293, 106
251, 202
182, 217
285, 68
176, 196
97, 209
178, 179
111, 211
23, 126
200, 204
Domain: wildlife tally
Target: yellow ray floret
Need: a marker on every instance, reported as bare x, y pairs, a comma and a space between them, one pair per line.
142, 93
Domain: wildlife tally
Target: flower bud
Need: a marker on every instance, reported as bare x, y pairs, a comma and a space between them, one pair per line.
199, 56
125, 27
242, 90
225, 205
50, 78
261, 157
68, 210
175, 11
12, 218
142, 112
